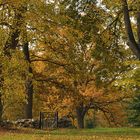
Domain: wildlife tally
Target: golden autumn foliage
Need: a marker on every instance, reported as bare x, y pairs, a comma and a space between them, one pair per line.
68, 54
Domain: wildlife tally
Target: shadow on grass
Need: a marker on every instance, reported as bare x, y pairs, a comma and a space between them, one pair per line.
91, 132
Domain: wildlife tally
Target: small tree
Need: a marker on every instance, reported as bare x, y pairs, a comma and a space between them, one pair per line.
134, 111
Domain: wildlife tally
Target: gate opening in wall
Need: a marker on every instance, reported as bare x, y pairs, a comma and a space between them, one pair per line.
48, 120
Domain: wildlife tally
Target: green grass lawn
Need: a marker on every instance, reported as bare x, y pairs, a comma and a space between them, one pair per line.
74, 134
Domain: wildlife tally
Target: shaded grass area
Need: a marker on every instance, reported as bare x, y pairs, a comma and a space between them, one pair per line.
73, 134
98, 131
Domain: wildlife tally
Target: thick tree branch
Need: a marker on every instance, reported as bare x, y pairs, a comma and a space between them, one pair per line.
56, 83
132, 42
49, 61
5, 24
138, 27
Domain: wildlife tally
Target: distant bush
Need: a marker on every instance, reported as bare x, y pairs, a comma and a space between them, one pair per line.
89, 123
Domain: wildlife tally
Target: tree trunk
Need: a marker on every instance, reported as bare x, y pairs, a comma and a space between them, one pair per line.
1, 93
13, 39
1, 105
29, 104
134, 46
80, 114
11, 44
29, 84
80, 120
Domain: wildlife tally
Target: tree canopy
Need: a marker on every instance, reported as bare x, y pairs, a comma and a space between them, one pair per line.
69, 56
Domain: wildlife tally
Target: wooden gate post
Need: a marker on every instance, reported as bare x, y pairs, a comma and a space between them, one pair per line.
40, 120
